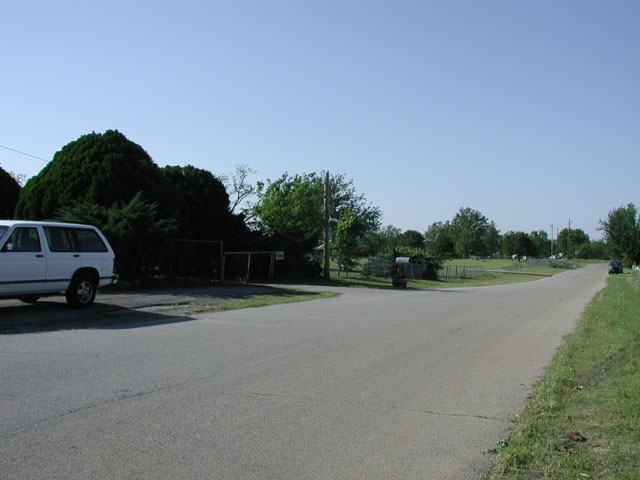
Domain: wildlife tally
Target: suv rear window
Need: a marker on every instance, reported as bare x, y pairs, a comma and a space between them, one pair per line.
89, 240
63, 239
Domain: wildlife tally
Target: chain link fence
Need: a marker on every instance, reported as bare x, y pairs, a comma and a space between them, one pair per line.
464, 271
195, 259
377, 267
246, 266
381, 268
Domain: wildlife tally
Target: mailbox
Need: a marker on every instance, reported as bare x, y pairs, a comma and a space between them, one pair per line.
397, 274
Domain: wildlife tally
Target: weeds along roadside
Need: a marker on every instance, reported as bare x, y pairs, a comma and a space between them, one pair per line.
583, 420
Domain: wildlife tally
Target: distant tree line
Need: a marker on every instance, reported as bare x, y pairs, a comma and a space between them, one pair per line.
471, 234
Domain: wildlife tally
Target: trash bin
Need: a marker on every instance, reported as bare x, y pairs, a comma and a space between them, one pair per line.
397, 272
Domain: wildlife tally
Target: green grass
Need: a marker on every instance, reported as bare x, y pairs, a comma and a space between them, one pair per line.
512, 266
583, 420
355, 280
489, 264
278, 297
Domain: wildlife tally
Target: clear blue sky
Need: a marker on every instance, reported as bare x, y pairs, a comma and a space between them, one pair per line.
528, 111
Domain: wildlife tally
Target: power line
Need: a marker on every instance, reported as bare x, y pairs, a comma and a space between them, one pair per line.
23, 153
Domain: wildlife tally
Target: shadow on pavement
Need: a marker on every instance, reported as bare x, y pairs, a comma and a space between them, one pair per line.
143, 308
120, 309
50, 316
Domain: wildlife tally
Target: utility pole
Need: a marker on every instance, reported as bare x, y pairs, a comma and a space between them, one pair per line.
552, 239
569, 242
327, 272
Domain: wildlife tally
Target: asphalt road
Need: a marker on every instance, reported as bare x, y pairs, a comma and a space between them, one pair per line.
371, 384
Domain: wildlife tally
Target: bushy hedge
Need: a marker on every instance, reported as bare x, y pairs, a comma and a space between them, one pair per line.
99, 169
109, 181
134, 230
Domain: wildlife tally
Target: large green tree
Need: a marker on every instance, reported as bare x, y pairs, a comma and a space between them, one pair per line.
292, 206
411, 238
100, 169
569, 244
492, 240
518, 243
348, 232
597, 249
469, 228
622, 233
542, 243
380, 243
347, 235
9, 192
290, 212
206, 212
439, 240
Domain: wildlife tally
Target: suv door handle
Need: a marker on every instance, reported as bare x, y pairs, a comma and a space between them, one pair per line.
76, 255
39, 256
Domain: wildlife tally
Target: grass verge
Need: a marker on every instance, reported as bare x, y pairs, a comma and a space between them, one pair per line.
355, 280
279, 297
583, 420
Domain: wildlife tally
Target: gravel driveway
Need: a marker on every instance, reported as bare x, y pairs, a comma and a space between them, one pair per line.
120, 307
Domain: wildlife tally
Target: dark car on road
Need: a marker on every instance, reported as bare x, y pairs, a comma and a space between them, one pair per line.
615, 267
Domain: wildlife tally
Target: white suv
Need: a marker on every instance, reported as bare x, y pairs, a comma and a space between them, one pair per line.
46, 258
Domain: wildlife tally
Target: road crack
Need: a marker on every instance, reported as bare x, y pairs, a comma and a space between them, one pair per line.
362, 404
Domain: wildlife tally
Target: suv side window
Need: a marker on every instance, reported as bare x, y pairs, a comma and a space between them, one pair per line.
59, 239
23, 239
89, 240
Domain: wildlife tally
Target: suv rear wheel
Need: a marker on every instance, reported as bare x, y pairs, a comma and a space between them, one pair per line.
82, 291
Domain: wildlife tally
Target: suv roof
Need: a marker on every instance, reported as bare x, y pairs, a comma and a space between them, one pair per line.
11, 223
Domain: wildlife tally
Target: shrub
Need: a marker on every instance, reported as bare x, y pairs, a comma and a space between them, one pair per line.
10, 191
134, 231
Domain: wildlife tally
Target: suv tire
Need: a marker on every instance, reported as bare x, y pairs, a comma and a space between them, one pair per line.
82, 291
